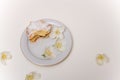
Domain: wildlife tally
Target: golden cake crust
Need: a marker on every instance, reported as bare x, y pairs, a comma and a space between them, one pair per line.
38, 29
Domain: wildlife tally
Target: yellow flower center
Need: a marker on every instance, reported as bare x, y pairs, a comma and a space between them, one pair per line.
29, 77
48, 52
58, 45
57, 32
100, 57
4, 56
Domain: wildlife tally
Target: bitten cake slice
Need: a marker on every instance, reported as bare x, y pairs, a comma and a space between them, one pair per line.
38, 29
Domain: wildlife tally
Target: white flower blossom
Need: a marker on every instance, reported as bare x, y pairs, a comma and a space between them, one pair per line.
57, 32
4, 57
60, 45
48, 53
101, 59
33, 76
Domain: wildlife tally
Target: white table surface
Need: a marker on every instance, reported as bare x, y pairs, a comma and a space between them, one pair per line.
95, 27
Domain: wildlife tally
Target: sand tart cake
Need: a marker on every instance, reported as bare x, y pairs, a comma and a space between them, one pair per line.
38, 29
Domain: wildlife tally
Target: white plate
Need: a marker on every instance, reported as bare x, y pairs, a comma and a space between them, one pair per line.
33, 51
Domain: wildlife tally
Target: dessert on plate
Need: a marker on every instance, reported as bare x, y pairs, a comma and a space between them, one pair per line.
38, 29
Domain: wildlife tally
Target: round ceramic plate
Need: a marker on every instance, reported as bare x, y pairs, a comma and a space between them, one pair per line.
36, 52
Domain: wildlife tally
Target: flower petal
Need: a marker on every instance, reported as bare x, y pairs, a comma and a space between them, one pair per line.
37, 76
48, 54
9, 56
99, 62
54, 28
62, 29
62, 49
52, 35
61, 36
106, 59
3, 62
